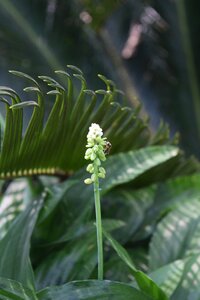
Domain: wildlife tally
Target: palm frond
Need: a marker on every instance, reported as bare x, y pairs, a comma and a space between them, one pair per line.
56, 144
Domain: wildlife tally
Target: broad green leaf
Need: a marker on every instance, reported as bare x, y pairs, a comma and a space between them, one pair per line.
148, 286
71, 204
54, 195
189, 285
115, 269
124, 167
92, 290
74, 261
169, 276
14, 290
134, 205
12, 203
15, 246
143, 208
177, 235
174, 192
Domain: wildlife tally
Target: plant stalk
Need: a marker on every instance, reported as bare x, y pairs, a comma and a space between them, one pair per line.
98, 229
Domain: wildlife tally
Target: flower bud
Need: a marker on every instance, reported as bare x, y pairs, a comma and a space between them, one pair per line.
101, 175
93, 156
97, 162
90, 168
101, 155
102, 170
88, 181
94, 177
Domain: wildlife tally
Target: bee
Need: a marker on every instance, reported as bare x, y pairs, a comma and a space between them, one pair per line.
107, 148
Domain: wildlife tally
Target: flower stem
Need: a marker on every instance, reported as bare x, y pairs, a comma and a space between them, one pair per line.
99, 229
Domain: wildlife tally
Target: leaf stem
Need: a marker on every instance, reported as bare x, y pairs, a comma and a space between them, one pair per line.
98, 228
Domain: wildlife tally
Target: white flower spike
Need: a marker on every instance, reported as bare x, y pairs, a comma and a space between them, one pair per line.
94, 131
97, 149
96, 145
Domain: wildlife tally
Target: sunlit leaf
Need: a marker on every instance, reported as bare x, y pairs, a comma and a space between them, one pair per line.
15, 246
177, 236
124, 167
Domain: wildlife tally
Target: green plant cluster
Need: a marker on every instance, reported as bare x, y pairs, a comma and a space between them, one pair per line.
150, 202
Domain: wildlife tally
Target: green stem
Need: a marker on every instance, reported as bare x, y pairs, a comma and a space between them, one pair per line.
98, 228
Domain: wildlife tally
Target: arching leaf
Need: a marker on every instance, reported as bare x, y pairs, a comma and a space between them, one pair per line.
92, 290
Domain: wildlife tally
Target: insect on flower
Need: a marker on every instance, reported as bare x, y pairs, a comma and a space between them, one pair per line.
107, 148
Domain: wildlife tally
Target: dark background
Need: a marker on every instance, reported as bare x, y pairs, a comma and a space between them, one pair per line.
161, 67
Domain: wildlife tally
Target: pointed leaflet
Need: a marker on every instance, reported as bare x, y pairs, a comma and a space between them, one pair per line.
15, 247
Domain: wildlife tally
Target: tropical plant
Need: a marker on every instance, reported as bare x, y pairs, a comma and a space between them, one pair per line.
48, 244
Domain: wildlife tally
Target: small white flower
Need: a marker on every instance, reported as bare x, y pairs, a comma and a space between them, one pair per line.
95, 153
94, 131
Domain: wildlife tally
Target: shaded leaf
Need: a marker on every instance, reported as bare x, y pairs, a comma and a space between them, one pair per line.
13, 290
15, 247
148, 286
134, 205
75, 261
92, 290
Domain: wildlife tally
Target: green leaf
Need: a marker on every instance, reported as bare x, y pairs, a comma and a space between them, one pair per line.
169, 276
15, 247
13, 290
12, 202
68, 208
24, 104
24, 75
177, 235
142, 208
54, 195
189, 285
74, 261
134, 205
124, 167
144, 282
92, 290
